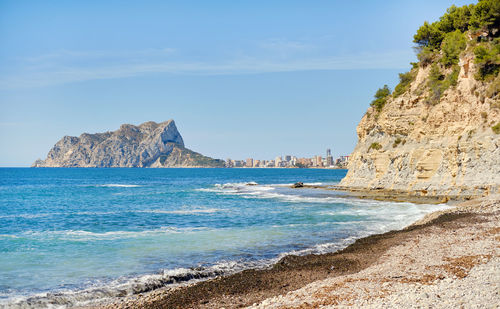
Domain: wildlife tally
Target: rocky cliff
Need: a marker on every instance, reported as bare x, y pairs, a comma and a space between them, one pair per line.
432, 138
150, 144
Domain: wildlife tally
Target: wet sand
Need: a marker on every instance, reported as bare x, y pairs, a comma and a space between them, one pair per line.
281, 285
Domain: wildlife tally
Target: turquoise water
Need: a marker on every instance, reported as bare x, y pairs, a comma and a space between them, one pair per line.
74, 235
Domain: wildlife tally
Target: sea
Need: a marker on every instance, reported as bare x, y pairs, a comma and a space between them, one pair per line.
76, 236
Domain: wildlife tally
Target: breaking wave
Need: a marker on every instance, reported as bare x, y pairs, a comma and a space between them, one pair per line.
184, 211
283, 192
81, 235
107, 290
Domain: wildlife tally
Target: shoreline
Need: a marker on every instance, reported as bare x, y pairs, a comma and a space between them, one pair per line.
392, 195
292, 273
454, 264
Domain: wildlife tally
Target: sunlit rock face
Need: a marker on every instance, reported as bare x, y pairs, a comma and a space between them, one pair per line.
444, 148
150, 144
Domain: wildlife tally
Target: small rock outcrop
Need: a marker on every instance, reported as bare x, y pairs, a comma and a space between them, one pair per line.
298, 185
150, 144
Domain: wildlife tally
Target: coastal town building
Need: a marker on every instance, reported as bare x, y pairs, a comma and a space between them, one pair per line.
329, 158
318, 161
291, 161
277, 162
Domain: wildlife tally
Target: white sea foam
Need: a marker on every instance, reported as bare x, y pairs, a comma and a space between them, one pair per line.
371, 227
81, 235
27, 216
91, 213
303, 224
276, 191
317, 249
196, 211
396, 213
100, 292
117, 185
184, 211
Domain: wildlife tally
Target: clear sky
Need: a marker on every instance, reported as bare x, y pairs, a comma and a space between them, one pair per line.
240, 78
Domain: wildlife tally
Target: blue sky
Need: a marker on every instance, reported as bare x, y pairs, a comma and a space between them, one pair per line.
240, 78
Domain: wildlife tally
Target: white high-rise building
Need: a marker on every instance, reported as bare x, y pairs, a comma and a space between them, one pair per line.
277, 162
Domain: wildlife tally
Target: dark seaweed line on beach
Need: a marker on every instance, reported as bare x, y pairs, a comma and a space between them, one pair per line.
290, 273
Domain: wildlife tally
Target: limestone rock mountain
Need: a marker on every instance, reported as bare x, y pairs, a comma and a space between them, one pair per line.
150, 144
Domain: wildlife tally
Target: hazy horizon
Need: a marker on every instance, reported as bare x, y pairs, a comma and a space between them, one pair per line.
240, 80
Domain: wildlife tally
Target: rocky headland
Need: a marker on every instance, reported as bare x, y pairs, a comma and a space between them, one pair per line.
150, 144
438, 132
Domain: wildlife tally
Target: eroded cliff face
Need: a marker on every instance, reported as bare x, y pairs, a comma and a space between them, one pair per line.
150, 144
444, 149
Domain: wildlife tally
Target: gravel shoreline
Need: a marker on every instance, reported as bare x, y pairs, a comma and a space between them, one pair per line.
449, 259
443, 268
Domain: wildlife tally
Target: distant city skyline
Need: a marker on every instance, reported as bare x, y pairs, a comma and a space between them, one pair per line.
317, 161
241, 79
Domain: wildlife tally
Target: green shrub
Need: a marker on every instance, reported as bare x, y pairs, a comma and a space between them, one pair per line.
381, 98
438, 83
494, 88
453, 44
405, 80
426, 55
496, 128
453, 77
485, 15
456, 18
375, 146
429, 35
435, 74
447, 34
487, 59
396, 142
434, 83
